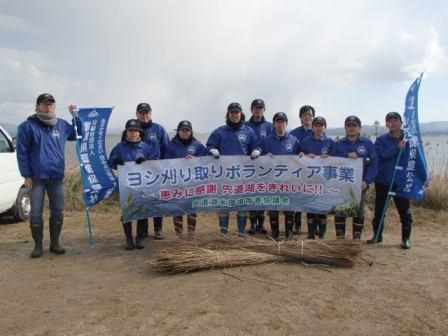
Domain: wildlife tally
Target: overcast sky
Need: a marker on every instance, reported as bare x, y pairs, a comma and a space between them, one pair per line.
190, 59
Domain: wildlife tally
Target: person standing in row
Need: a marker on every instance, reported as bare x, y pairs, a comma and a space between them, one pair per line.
234, 138
388, 147
184, 145
317, 144
157, 138
262, 129
354, 146
132, 149
41, 143
280, 142
306, 115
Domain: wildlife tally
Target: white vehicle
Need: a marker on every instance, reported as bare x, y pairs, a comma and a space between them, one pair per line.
14, 198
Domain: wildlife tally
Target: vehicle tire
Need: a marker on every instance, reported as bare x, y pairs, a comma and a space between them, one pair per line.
22, 208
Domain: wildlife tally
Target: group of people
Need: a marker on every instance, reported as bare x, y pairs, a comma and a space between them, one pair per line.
40, 154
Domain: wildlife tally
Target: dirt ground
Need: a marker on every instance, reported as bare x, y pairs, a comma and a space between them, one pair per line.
110, 291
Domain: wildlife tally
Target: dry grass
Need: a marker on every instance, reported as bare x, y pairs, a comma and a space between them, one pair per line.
436, 193
219, 251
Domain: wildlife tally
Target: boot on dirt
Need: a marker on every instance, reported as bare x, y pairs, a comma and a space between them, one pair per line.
405, 238
127, 228
224, 224
297, 223
311, 228
339, 225
357, 231
260, 225
139, 238
38, 236
275, 227
377, 236
253, 221
158, 223
55, 231
241, 223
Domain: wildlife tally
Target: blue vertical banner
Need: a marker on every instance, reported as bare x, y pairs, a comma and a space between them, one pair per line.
415, 175
99, 181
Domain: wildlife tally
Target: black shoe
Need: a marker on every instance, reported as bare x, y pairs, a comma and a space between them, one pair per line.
37, 251
262, 230
158, 235
138, 243
406, 244
57, 249
375, 241
129, 244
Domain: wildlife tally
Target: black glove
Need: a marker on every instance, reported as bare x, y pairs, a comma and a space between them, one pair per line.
118, 162
140, 160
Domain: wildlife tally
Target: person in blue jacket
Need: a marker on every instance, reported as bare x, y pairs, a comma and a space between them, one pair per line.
354, 146
234, 138
317, 144
184, 145
41, 158
262, 128
157, 138
280, 142
387, 147
132, 148
306, 115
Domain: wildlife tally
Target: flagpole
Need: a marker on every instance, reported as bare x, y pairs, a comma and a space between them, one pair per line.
92, 241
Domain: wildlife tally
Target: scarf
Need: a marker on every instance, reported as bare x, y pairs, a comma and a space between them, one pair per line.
48, 119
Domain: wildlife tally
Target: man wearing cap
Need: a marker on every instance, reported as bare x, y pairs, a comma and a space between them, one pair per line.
388, 147
157, 138
280, 142
306, 115
354, 146
41, 158
317, 144
234, 138
262, 128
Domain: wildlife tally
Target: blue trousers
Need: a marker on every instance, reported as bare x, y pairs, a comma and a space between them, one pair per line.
55, 192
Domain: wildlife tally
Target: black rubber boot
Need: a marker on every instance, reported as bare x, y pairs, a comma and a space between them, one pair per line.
241, 223
144, 224
311, 228
260, 225
297, 223
139, 238
158, 224
127, 228
178, 225
275, 229
191, 225
38, 236
253, 221
405, 238
377, 238
322, 223
55, 232
339, 225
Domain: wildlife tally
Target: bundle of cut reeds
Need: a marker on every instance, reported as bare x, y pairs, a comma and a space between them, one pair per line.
218, 251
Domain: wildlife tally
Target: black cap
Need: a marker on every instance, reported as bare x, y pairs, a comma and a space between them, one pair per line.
143, 107
257, 103
133, 124
234, 106
393, 115
320, 120
44, 97
184, 124
280, 116
352, 120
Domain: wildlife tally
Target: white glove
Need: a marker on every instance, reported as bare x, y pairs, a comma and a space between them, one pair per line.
215, 153
255, 153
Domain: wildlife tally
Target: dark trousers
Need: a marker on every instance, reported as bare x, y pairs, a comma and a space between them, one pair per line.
274, 219
178, 223
358, 221
158, 223
403, 206
316, 220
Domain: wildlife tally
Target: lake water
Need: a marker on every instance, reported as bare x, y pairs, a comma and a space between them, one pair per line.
436, 150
